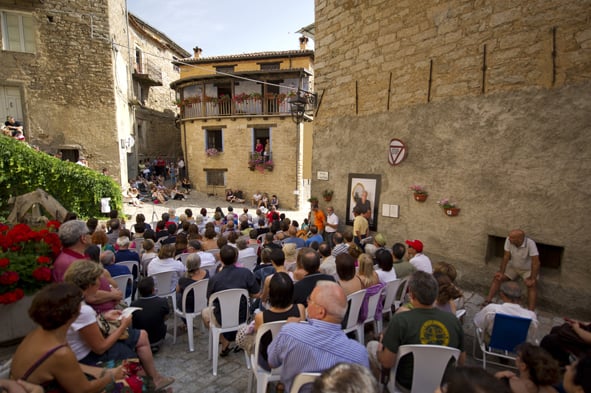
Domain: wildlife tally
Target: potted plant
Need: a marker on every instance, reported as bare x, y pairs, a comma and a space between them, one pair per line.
212, 152
449, 207
327, 195
420, 194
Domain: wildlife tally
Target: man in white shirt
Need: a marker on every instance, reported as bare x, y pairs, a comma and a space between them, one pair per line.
510, 295
521, 259
256, 198
330, 226
207, 259
417, 258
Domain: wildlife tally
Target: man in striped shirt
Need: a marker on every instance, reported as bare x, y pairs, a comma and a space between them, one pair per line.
319, 344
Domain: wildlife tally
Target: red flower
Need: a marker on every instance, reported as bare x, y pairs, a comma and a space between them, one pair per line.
53, 224
42, 274
11, 297
8, 278
4, 262
41, 259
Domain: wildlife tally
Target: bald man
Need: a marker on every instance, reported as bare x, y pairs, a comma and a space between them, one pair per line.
320, 344
521, 259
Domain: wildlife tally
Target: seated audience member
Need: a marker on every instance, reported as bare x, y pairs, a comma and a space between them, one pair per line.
166, 263
256, 198
86, 339
274, 202
207, 259
186, 183
348, 278
92, 224
310, 347
419, 260
314, 236
153, 313
367, 273
171, 228
289, 250
303, 288
181, 244
448, 292
277, 261
44, 358
571, 339
244, 250
124, 253
194, 274
346, 377
99, 237
209, 242
379, 242
293, 238
113, 234
577, 378
339, 246
401, 267
537, 371
148, 255
264, 201
511, 296
328, 263
385, 271
108, 262
280, 292
20, 386
472, 380
229, 277
409, 327
447, 269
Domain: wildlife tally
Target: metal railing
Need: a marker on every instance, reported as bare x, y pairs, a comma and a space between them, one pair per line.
223, 107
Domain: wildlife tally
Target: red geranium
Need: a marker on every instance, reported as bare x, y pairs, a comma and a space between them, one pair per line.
26, 259
8, 278
42, 274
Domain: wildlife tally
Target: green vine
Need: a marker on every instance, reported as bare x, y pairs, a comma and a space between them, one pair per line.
76, 187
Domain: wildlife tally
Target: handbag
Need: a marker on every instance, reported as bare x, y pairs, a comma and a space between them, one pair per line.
108, 327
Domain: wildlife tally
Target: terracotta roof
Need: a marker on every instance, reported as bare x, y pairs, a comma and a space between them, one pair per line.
250, 56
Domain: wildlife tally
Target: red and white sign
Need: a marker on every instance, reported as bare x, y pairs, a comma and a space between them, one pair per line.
396, 152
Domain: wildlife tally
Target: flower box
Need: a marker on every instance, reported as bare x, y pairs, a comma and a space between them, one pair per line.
15, 319
452, 211
420, 197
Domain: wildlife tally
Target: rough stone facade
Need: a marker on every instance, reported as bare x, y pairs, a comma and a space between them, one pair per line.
509, 144
75, 88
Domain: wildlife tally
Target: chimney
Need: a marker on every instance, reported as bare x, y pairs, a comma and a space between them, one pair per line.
303, 42
197, 52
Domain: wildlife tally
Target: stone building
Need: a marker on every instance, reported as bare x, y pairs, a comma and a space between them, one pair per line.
228, 103
492, 103
65, 73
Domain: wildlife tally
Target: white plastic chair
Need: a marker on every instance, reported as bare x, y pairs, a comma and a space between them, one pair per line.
123, 281
183, 257
134, 268
5, 369
354, 301
229, 303
372, 305
391, 290
399, 299
260, 374
215, 252
433, 358
164, 288
248, 262
302, 379
199, 290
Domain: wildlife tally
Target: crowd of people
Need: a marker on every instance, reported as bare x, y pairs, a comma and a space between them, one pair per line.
292, 273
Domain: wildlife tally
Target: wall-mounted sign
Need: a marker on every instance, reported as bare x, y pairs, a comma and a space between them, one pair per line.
322, 175
396, 152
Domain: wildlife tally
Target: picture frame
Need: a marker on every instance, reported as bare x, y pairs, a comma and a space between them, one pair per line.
358, 184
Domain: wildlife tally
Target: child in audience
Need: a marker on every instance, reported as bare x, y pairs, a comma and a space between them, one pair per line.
153, 313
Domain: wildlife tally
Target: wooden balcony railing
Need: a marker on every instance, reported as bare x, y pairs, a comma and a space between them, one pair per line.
233, 107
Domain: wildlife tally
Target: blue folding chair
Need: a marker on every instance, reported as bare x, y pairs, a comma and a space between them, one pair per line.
508, 332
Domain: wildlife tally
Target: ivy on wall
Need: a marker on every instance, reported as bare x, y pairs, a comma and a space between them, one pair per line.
77, 188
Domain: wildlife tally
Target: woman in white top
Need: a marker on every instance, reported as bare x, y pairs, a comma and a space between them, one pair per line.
148, 255
165, 262
385, 272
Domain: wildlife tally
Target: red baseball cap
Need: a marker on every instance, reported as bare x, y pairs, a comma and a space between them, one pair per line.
416, 244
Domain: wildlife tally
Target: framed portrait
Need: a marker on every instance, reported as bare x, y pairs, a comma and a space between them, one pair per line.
364, 191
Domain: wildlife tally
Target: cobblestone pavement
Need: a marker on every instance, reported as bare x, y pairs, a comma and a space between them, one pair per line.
192, 370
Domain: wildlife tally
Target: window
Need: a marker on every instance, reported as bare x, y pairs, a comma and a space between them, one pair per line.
215, 177
270, 66
214, 140
226, 69
18, 32
139, 61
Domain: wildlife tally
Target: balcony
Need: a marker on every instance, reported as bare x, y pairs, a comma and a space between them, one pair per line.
149, 75
260, 162
239, 105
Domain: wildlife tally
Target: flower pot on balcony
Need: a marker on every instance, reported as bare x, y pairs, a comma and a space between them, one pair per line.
15, 319
420, 197
328, 198
451, 211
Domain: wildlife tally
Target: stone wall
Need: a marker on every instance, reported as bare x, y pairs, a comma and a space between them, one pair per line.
512, 152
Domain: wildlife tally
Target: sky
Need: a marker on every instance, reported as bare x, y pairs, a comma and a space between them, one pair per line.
226, 27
